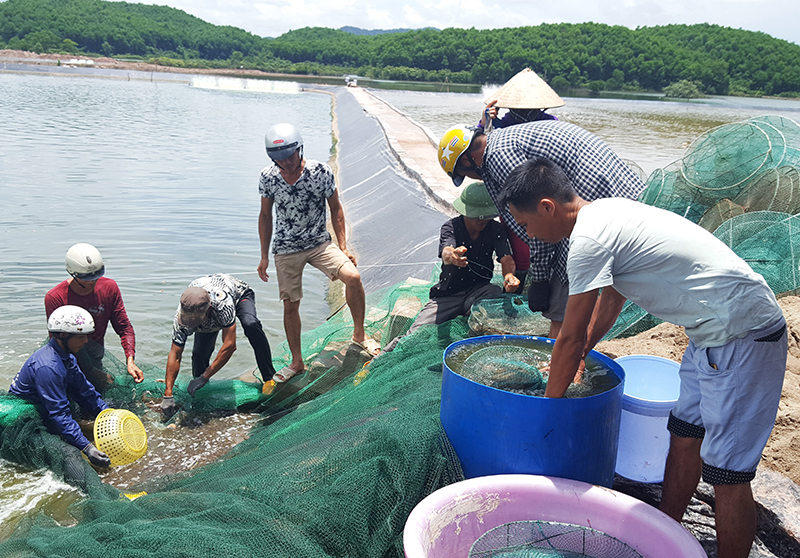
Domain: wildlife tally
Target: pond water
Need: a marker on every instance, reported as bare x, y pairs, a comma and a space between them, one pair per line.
649, 133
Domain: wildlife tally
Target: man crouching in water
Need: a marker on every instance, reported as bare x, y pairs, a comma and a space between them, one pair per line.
51, 375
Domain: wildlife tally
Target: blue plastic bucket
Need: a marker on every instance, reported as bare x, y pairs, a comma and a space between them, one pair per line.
652, 386
498, 432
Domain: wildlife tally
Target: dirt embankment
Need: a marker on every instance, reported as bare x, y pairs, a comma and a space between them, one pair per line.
25, 57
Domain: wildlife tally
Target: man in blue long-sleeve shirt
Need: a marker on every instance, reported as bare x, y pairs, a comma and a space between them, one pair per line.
51, 374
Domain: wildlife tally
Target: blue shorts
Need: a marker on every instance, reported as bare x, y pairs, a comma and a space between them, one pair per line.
729, 397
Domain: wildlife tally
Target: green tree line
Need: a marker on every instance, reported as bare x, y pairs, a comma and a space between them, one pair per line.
717, 60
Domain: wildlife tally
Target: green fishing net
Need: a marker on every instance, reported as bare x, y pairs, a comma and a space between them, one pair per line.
732, 169
770, 243
546, 539
506, 367
740, 181
506, 315
333, 465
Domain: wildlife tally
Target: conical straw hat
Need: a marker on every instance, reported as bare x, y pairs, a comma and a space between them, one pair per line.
526, 90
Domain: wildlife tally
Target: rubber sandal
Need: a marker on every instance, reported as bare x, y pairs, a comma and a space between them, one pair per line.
372, 347
285, 374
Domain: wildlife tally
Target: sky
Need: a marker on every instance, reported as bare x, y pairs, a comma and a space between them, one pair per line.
271, 18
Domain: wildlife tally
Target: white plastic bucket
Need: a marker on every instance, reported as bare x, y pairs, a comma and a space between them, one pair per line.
652, 386
449, 521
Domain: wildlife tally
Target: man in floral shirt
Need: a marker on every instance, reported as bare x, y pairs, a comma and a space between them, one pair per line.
209, 305
298, 189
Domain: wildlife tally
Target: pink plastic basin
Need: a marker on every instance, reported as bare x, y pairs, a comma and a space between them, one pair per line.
449, 521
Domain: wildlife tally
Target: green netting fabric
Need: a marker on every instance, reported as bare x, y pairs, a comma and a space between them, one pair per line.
770, 242
507, 367
721, 160
668, 189
732, 169
335, 466
740, 181
547, 539
24, 439
506, 315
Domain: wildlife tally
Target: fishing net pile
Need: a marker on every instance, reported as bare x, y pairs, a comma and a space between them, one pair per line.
507, 315
337, 460
741, 182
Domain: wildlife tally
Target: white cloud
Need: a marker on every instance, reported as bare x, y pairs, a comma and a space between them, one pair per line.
413, 18
273, 17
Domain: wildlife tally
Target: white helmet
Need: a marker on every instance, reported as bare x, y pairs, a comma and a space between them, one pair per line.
84, 262
70, 319
282, 140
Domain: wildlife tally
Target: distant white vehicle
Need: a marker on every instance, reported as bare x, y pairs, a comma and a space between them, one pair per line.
351, 81
77, 62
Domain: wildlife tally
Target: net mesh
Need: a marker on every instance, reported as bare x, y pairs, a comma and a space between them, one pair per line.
506, 315
545, 539
507, 367
770, 243
740, 181
522, 366
723, 159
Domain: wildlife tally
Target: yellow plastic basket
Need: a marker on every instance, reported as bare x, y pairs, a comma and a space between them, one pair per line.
121, 435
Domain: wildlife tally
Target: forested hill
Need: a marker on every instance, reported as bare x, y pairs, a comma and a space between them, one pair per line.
718, 59
115, 28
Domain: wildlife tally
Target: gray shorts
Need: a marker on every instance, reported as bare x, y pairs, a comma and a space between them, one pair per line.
729, 397
559, 293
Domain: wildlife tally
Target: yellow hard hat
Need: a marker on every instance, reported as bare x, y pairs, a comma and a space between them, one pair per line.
453, 144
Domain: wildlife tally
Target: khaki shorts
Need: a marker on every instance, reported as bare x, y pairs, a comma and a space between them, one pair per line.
326, 257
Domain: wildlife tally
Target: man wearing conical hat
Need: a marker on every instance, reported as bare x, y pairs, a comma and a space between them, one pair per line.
526, 96
593, 168
466, 245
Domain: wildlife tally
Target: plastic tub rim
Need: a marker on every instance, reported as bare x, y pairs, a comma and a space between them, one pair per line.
639, 405
548, 341
417, 534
